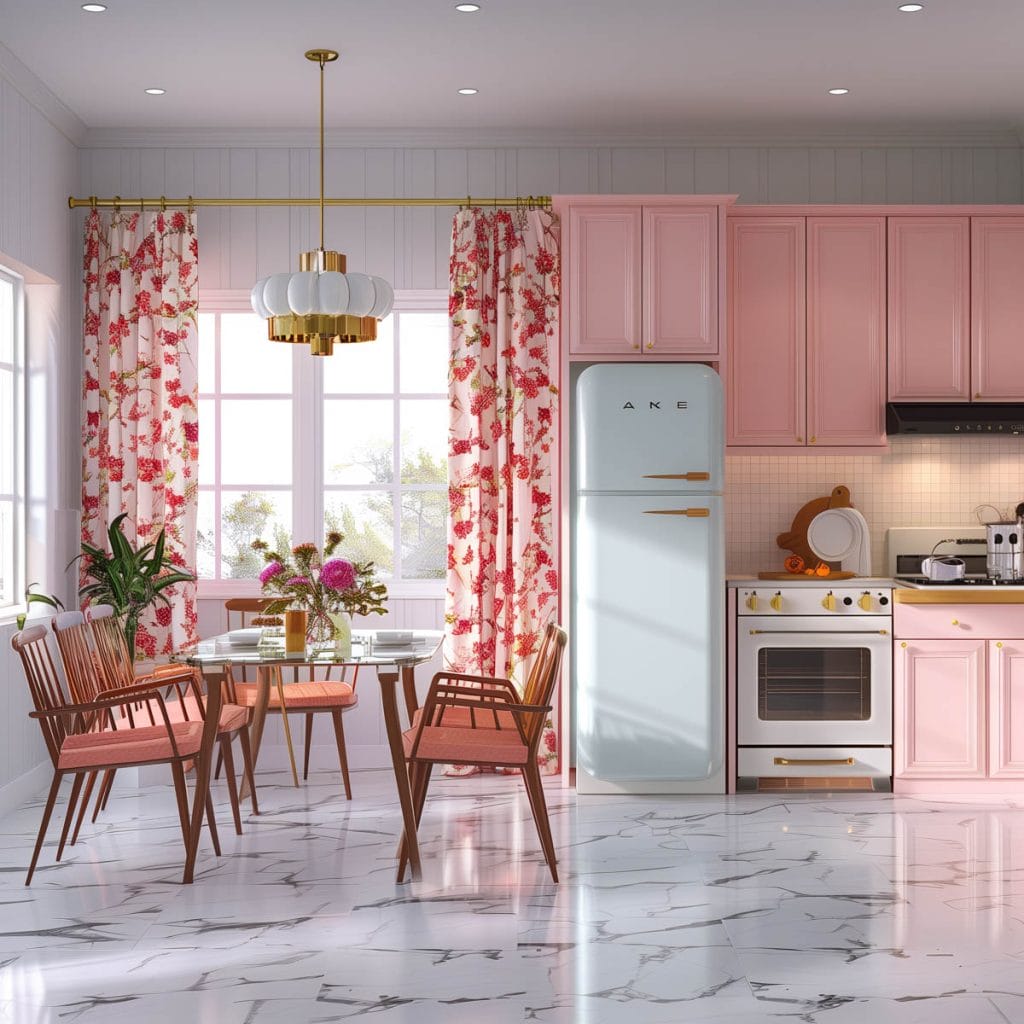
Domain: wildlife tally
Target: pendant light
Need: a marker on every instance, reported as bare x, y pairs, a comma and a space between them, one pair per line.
322, 304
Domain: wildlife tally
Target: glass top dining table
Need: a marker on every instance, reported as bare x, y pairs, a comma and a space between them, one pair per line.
392, 664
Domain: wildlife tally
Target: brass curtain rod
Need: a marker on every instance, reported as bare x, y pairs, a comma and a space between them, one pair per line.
163, 203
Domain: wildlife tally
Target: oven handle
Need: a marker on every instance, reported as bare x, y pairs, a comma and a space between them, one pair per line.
817, 761
804, 632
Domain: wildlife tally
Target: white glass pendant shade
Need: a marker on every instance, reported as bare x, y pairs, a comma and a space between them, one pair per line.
333, 291
275, 294
303, 293
361, 294
256, 298
384, 298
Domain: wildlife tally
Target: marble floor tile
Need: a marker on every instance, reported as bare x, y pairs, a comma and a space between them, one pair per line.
818, 909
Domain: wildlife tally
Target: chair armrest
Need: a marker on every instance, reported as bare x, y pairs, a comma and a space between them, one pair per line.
467, 677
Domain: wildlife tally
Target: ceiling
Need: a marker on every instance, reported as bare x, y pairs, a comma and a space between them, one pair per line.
612, 67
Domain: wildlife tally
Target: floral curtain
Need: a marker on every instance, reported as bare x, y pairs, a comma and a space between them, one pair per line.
140, 435
502, 573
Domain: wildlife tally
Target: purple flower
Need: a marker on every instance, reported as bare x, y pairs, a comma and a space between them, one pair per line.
272, 569
338, 574
297, 581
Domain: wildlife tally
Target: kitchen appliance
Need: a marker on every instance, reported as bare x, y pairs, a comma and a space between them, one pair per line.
814, 686
908, 548
968, 419
944, 569
1005, 557
648, 579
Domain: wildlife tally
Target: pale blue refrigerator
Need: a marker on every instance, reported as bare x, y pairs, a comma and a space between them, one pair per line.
648, 579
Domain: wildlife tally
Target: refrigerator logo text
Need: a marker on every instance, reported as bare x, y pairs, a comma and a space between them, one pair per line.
654, 405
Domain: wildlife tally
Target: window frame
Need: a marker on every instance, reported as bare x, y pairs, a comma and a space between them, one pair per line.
17, 447
308, 487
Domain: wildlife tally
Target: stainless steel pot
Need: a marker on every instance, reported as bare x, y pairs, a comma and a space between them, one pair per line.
1005, 550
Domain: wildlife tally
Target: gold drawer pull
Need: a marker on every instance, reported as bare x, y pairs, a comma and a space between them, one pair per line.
693, 513
782, 761
677, 476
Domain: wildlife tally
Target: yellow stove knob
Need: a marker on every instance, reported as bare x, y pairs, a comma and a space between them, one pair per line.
752, 602
865, 602
828, 602
776, 602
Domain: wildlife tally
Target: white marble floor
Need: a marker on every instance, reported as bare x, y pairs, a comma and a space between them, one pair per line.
844, 909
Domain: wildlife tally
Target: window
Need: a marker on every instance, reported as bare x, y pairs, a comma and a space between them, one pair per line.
292, 446
12, 462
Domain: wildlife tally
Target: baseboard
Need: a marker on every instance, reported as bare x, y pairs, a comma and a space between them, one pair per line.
33, 783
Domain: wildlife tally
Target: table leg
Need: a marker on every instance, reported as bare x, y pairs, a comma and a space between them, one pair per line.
214, 679
389, 701
412, 702
264, 674
287, 728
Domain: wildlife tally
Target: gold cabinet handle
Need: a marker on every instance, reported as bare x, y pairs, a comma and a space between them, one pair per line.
776, 603
813, 440
956, 622
799, 440
904, 644
677, 476
821, 761
999, 643
693, 513
635, 345
650, 345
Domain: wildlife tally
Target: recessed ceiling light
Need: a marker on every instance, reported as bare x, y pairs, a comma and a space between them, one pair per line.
94, 8
838, 92
155, 92
910, 8
467, 8
468, 92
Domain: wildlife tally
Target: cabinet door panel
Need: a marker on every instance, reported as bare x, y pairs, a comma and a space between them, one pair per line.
604, 279
766, 344
929, 309
1006, 709
940, 709
997, 309
846, 383
680, 280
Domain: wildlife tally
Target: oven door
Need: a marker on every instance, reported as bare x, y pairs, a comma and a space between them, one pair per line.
814, 681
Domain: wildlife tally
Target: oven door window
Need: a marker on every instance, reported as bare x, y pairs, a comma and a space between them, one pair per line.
814, 684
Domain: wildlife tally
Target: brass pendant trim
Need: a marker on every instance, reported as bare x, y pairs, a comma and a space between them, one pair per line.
322, 331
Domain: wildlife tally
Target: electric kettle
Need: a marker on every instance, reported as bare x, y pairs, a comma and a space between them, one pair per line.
944, 568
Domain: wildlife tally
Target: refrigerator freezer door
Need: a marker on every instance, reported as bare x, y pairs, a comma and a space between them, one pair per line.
649, 607
652, 428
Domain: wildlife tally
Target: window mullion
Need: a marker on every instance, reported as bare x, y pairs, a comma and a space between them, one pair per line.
305, 444
396, 448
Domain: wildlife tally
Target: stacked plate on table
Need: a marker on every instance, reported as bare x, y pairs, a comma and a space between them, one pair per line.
384, 638
249, 637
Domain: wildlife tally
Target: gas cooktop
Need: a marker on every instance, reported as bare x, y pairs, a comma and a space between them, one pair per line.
968, 581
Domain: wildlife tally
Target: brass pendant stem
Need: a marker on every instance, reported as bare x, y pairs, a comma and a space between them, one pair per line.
321, 154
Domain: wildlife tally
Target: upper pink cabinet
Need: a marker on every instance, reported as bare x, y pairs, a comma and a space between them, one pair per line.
997, 309
929, 309
766, 331
846, 330
642, 278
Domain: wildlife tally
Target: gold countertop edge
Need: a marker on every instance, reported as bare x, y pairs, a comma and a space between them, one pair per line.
957, 596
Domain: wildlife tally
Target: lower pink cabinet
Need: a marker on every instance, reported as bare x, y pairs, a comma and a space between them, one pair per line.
959, 709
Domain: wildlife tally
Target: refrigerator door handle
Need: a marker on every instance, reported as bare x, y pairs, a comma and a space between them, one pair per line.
693, 513
677, 476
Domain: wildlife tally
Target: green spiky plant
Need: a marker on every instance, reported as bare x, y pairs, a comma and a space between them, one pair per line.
128, 579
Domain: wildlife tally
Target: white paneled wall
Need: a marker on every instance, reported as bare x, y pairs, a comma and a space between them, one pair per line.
37, 232
409, 246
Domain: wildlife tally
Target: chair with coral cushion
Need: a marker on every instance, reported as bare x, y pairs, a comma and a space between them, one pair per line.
100, 735
304, 693
480, 720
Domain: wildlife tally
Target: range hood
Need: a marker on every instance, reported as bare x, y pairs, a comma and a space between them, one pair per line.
967, 418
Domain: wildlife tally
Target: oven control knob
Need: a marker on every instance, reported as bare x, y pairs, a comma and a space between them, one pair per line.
847, 601
883, 600
752, 602
828, 602
776, 602
865, 602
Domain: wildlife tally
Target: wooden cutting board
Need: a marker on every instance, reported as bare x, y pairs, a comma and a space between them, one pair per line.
834, 575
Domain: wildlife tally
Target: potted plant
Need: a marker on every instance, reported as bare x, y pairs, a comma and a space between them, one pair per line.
128, 579
50, 600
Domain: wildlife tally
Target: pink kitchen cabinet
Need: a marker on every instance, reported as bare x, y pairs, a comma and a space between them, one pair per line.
929, 291
997, 309
940, 704
766, 331
846, 330
1006, 709
604, 279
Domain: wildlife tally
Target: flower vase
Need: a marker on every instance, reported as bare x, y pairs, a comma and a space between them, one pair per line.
342, 624
295, 630
319, 628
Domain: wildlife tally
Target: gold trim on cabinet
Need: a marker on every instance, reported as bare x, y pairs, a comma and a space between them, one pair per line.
819, 761
960, 595
693, 513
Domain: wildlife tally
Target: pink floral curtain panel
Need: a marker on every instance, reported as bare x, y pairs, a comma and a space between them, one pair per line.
141, 432
502, 575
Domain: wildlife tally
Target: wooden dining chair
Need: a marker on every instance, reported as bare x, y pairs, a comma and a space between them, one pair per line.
305, 692
103, 734
480, 720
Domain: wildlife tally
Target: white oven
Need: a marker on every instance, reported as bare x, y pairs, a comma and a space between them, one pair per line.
814, 669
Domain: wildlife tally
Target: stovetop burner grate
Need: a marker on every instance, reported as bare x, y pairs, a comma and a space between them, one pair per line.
968, 581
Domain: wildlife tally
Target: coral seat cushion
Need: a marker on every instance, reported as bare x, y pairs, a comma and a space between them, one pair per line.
232, 716
301, 695
459, 745
128, 746
463, 717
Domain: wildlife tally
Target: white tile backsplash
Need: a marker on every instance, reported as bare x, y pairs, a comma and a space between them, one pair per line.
934, 481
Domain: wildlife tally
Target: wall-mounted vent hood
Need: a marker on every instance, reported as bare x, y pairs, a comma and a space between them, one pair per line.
965, 418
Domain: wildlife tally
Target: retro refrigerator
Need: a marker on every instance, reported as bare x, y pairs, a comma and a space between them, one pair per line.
648, 579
